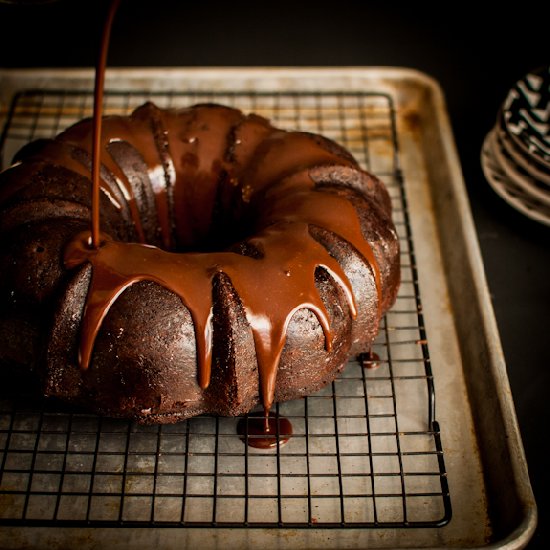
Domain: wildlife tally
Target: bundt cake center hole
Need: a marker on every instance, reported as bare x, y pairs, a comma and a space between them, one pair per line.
229, 229
218, 239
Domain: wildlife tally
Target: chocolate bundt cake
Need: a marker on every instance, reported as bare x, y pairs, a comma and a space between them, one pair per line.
239, 264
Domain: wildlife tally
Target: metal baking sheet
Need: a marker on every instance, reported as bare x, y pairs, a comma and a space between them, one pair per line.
367, 467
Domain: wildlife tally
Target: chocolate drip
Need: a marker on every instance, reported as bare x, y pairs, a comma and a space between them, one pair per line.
290, 259
369, 359
131, 163
265, 431
136, 132
98, 113
162, 177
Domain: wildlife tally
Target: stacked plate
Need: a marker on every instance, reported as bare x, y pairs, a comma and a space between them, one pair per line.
516, 152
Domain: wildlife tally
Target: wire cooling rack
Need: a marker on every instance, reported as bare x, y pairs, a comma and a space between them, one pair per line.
366, 450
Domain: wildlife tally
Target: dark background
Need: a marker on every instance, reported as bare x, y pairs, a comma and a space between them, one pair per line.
474, 50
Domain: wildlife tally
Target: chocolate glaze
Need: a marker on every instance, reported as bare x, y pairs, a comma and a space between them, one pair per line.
200, 201
208, 158
98, 112
369, 359
198, 146
283, 210
265, 431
